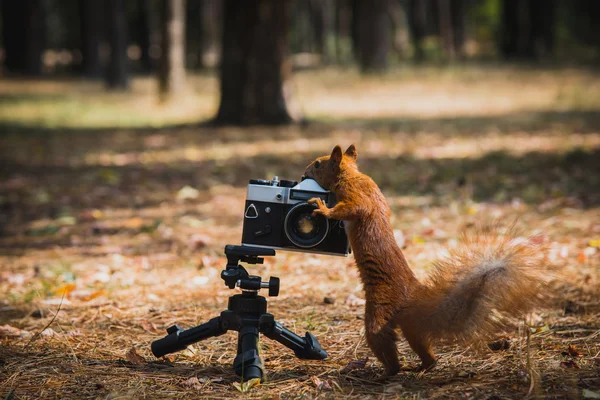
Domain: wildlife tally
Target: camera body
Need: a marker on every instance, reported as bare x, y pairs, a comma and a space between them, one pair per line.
278, 216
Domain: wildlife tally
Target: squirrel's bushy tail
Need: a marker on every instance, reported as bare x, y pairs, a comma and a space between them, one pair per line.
488, 273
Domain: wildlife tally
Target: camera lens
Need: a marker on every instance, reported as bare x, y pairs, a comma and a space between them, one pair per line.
303, 229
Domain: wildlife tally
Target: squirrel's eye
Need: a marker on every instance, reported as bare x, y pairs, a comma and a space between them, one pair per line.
317, 164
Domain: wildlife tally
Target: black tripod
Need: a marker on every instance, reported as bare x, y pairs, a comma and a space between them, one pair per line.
247, 314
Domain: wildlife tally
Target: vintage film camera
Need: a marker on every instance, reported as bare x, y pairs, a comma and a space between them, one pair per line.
277, 216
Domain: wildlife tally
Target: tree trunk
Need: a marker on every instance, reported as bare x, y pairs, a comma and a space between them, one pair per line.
342, 23
516, 40
118, 72
399, 27
317, 11
211, 11
202, 31
528, 28
543, 13
446, 27
355, 18
172, 64
254, 62
374, 35
458, 23
417, 26
144, 33
91, 37
23, 28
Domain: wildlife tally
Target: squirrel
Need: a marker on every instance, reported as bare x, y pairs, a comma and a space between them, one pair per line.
460, 296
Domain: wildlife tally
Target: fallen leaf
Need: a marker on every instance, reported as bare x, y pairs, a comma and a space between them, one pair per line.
93, 295
246, 386
569, 364
394, 388
48, 332
192, 383
588, 394
540, 329
134, 358
149, 327
200, 280
65, 289
134, 223
189, 351
321, 384
352, 300
571, 351
581, 257
7, 331
356, 364
187, 193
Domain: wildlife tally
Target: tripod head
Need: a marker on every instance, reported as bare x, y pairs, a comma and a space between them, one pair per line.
235, 275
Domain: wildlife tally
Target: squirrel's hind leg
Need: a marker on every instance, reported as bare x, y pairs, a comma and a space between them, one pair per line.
422, 347
382, 342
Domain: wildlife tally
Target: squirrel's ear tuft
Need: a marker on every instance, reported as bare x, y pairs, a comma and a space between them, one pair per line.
351, 152
336, 155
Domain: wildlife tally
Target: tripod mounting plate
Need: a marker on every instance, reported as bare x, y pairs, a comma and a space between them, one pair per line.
247, 254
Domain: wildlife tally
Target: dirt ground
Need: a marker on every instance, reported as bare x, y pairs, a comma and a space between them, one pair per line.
114, 212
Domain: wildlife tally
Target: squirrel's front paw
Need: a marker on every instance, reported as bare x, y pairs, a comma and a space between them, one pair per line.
322, 208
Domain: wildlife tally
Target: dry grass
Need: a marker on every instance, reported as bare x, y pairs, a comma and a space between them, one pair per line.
94, 215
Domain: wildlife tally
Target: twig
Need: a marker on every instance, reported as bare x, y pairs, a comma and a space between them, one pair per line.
593, 335
49, 323
528, 365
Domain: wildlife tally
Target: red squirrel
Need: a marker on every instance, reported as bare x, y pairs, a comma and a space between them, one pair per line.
459, 297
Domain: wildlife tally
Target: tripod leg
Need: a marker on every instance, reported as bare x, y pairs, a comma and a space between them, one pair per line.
178, 338
307, 347
248, 363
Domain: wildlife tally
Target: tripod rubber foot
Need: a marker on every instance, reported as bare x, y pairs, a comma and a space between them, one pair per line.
248, 365
312, 349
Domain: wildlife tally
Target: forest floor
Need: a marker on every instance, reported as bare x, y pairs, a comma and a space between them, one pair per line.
114, 211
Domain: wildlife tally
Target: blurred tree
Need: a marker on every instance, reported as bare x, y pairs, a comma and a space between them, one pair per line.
23, 32
91, 22
343, 16
374, 34
202, 32
399, 27
417, 22
143, 34
528, 28
254, 64
117, 76
582, 18
451, 27
321, 14
171, 75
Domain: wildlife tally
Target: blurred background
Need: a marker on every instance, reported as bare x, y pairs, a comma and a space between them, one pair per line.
252, 49
129, 130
